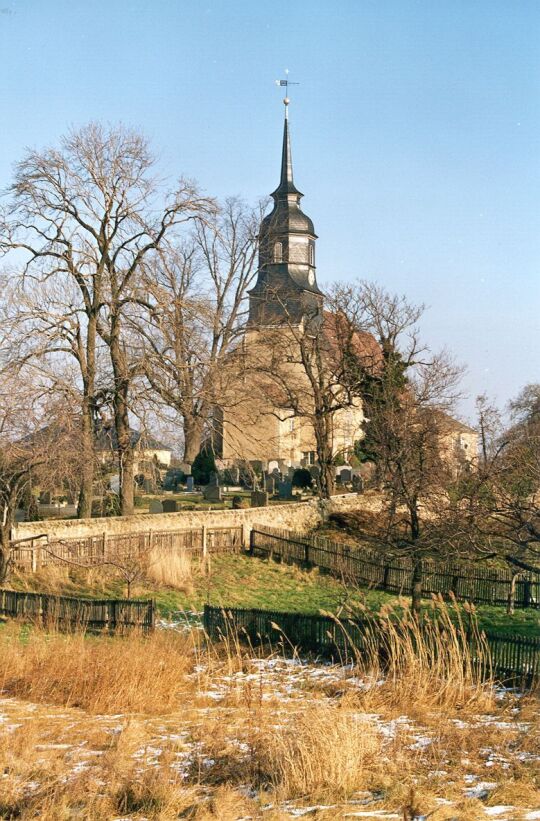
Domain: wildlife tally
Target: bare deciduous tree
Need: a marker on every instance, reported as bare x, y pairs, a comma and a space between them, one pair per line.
196, 313
93, 211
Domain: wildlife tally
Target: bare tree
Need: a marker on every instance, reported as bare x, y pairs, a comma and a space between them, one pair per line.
94, 212
503, 496
406, 398
37, 445
196, 313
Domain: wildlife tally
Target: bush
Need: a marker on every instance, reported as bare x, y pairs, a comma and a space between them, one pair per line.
302, 478
203, 465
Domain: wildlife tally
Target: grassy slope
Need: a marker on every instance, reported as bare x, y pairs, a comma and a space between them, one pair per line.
239, 581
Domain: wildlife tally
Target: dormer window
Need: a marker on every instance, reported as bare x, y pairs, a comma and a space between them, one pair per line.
278, 252
312, 253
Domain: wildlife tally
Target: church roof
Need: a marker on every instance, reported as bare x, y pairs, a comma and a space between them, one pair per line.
340, 336
287, 214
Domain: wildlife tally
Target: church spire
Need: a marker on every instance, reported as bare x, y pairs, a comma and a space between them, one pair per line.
286, 182
286, 289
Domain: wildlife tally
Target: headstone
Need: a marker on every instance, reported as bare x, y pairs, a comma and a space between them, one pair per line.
213, 480
212, 493
270, 485
285, 490
155, 506
149, 486
232, 475
259, 498
346, 475
170, 506
190, 484
315, 472
357, 482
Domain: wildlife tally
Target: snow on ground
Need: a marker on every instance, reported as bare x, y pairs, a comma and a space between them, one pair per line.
282, 682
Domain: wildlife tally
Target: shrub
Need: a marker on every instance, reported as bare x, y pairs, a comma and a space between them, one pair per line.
302, 478
203, 465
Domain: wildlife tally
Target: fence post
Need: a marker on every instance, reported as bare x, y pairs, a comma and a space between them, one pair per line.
245, 538
203, 535
34, 557
306, 554
104, 545
251, 541
150, 540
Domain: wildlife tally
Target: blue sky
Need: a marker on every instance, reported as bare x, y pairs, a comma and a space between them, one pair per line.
415, 128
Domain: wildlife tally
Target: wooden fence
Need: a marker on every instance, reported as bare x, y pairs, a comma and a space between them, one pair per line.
62, 612
515, 658
95, 550
367, 567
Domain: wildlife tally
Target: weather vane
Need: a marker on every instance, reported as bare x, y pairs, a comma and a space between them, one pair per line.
286, 82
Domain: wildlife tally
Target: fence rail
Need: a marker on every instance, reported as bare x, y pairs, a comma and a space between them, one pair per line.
463, 580
95, 550
510, 657
63, 612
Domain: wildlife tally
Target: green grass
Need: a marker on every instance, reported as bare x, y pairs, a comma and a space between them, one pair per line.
240, 581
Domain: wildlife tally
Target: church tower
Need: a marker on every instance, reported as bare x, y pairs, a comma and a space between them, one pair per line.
286, 291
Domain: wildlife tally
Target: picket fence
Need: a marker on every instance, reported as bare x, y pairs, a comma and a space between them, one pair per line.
367, 567
506, 658
66, 613
95, 550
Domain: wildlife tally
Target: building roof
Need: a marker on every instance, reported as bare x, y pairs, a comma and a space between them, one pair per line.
340, 336
106, 440
448, 424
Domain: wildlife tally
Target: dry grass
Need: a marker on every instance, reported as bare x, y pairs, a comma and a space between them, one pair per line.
98, 674
172, 568
321, 752
208, 732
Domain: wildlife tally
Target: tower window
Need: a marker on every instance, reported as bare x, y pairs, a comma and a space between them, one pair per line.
278, 252
311, 253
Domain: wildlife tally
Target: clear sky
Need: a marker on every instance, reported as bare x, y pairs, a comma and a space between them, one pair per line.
415, 129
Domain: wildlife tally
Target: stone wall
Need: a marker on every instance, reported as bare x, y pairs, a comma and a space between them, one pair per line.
291, 516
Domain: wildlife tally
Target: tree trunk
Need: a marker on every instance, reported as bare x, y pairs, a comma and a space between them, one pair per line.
323, 439
416, 586
5, 554
511, 604
193, 428
87, 361
125, 453
86, 492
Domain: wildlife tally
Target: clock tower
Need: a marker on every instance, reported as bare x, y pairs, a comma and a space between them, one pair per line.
286, 291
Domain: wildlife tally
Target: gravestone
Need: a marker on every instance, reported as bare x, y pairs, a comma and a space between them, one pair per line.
190, 484
170, 506
346, 475
259, 498
357, 482
155, 506
270, 485
149, 486
212, 491
315, 472
285, 490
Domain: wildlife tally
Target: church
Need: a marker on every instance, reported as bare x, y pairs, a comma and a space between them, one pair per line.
266, 413
253, 424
